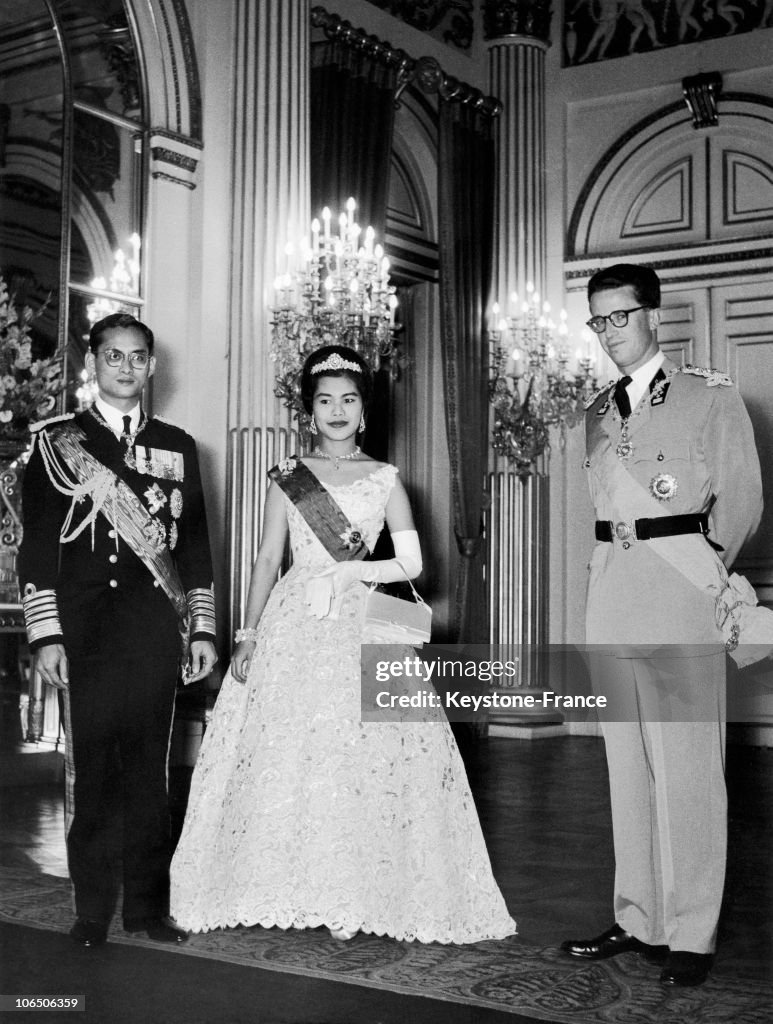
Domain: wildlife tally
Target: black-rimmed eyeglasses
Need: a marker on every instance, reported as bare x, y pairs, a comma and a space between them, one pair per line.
618, 318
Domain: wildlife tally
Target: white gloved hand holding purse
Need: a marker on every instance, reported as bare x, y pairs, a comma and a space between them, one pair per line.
326, 589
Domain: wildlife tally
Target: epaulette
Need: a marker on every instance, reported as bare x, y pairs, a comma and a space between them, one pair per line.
598, 393
42, 424
714, 378
168, 423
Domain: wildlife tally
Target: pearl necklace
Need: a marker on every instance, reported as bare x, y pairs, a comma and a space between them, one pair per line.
336, 459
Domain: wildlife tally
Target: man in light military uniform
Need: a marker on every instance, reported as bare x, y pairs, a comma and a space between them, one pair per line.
675, 480
116, 576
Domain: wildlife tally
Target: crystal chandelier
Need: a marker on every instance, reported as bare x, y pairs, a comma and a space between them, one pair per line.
340, 295
124, 280
532, 385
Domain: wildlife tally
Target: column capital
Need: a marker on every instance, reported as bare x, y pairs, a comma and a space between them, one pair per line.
174, 158
529, 19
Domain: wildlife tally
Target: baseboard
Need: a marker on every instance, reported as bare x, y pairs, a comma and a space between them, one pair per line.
742, 734
519, 731
31, 764
750, 734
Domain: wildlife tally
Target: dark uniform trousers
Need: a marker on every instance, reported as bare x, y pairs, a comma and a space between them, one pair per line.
120, 706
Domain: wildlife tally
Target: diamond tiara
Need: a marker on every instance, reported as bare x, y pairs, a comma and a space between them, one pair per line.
335, 362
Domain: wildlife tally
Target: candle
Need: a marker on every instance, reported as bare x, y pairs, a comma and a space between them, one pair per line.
326, 220
492, 327
134, 262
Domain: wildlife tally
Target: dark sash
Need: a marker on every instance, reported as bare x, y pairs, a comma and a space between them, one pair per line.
115, 500
320, 510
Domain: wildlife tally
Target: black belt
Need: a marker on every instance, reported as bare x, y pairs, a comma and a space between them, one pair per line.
646, 529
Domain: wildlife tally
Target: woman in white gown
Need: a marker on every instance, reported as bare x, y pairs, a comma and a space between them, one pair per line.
300, 814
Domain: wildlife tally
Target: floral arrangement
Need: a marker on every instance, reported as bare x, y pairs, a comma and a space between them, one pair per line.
28, 386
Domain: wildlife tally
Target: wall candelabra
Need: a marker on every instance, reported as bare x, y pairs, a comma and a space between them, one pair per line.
536, 381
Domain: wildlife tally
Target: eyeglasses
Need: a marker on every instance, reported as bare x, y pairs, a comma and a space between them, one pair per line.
618, 318
115, 357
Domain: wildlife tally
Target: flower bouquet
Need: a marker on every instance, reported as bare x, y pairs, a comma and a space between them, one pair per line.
28, 386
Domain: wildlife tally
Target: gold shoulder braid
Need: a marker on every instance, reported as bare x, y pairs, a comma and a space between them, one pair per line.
63, 457
714, 378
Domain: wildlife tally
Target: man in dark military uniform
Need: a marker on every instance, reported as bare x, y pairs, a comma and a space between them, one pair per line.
116, 576
675, 481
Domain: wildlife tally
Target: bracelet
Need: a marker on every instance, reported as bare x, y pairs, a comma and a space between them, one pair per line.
245, 634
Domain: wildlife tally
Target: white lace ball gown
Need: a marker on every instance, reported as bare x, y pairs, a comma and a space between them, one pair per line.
301, 815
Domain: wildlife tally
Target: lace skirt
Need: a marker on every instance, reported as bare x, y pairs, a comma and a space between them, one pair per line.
301, 815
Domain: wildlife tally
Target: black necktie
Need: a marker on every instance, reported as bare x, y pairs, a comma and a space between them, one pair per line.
127, 426
622, 401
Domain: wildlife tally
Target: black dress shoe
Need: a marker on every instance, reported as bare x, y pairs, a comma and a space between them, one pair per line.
685, 969
611, 943
88, 933
159, 929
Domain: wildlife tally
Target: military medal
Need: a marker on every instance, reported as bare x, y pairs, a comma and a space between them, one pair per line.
664, 486
624, 449
128, 457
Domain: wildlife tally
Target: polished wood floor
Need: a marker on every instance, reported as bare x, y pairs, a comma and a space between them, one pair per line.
545, 812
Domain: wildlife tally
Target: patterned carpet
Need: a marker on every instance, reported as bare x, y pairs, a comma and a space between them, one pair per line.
510, 976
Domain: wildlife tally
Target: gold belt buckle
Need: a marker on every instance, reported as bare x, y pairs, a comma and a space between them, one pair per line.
625, 531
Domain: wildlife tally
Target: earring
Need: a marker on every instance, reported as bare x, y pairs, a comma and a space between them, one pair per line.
362, 422
313, 425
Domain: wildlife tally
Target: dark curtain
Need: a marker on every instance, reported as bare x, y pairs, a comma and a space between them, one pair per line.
466, 212
352, 123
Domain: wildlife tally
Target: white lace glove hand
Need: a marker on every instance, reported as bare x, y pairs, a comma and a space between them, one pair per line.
325, 590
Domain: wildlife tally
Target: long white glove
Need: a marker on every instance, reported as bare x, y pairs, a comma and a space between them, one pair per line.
325, 590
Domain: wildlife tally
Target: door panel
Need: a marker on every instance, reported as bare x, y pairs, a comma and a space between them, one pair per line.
684, 325
742, 343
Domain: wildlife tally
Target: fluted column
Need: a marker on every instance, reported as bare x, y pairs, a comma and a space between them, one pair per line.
270, 186
270, 206
517, 32
517, 36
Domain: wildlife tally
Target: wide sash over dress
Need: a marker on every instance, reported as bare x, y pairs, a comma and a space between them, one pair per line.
302, 815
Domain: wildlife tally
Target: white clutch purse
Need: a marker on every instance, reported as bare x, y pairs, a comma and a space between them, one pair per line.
394, 620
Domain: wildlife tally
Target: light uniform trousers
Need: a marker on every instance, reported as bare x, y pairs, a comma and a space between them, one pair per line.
664, 732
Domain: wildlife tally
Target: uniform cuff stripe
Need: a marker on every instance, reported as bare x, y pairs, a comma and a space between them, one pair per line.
41, 615
201, 604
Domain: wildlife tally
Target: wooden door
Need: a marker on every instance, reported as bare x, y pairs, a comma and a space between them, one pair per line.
730, 327
742, 344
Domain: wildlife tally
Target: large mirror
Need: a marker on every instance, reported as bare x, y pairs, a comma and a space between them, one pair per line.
32, 168
72, 170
